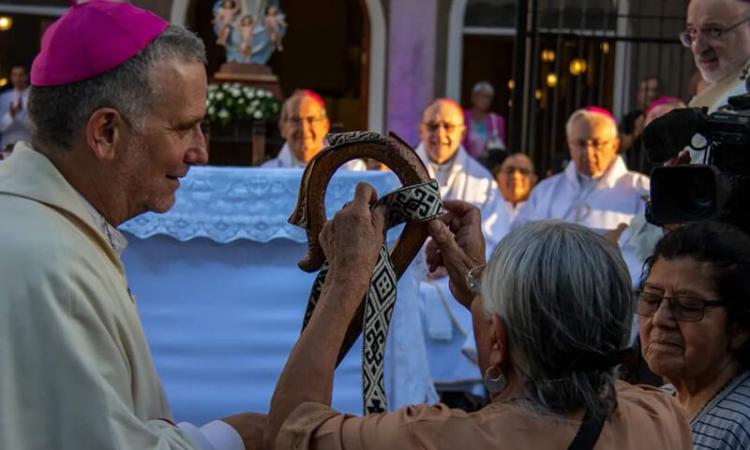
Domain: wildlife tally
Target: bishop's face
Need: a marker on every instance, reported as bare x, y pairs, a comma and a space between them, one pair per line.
171, 140
593, 144
304, 126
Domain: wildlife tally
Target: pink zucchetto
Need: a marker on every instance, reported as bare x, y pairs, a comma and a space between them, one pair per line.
92, 38
664, 101
602, 111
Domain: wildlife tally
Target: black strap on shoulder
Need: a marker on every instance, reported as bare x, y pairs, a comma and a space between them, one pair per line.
588, 433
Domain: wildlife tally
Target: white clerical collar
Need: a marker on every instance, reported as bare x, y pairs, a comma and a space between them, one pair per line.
442, 171
444, 167
585, 180
116, 239
297, 163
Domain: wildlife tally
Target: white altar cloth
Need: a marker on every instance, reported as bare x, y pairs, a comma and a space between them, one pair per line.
222, 299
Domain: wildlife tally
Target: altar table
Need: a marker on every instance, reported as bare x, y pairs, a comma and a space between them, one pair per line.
222, 299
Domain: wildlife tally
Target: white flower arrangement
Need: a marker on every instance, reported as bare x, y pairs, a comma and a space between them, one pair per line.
228, 102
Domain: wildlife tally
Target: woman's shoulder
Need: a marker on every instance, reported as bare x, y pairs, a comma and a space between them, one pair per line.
645, 396
313, 425
648, 417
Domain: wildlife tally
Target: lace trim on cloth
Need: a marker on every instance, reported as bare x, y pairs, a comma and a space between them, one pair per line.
225, 204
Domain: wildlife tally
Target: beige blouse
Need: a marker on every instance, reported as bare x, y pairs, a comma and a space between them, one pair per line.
644, 419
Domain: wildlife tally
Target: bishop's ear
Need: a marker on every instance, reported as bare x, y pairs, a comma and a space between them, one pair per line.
104, 132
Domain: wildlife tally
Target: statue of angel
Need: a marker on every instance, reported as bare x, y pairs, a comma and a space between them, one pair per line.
250, 30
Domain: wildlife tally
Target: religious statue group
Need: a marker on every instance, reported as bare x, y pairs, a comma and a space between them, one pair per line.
250, 31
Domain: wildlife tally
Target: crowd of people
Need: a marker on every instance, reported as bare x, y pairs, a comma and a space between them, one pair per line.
564, 281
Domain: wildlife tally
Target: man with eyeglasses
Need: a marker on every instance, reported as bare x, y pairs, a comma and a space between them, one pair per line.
460, 177
304, 124
596, 189
718, 35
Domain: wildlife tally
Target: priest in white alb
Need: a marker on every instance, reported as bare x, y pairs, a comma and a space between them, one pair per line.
304, 125
460, 177
596, 189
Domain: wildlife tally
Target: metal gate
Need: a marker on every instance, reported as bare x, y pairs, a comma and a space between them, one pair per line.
574, 53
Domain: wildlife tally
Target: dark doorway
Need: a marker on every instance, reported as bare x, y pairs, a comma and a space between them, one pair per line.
327, 53
20, 44
488, 58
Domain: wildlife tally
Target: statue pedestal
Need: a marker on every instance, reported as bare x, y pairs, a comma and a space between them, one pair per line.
256, 75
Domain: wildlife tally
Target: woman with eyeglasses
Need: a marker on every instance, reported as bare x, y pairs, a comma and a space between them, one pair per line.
694, 310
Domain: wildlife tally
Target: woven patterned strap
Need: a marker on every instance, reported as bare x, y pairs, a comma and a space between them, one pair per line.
418, 203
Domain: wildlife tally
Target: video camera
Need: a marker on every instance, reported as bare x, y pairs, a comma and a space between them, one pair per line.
718, 188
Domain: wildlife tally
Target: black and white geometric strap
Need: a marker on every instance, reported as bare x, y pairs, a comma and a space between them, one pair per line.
416, 203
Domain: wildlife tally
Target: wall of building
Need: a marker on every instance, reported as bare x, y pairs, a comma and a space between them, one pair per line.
411, 63
160, 7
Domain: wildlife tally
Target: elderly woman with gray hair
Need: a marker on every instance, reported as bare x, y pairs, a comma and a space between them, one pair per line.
552, 324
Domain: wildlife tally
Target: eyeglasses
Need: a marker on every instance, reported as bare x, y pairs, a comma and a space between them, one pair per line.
448, 127
310, 120
682, 308
510, 170
688, 37
585, 143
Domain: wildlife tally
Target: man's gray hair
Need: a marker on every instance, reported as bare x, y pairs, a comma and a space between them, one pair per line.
59, 113
584, 113
563, 293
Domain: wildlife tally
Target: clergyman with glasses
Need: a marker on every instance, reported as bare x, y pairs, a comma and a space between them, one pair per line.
717, 33
461, 177
694, 315
595, 189
304, 125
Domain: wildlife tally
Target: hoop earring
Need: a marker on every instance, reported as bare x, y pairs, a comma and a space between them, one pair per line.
495, 383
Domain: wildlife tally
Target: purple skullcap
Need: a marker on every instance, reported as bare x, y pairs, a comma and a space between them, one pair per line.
93, 38
312, 95
664, 101
602, 111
